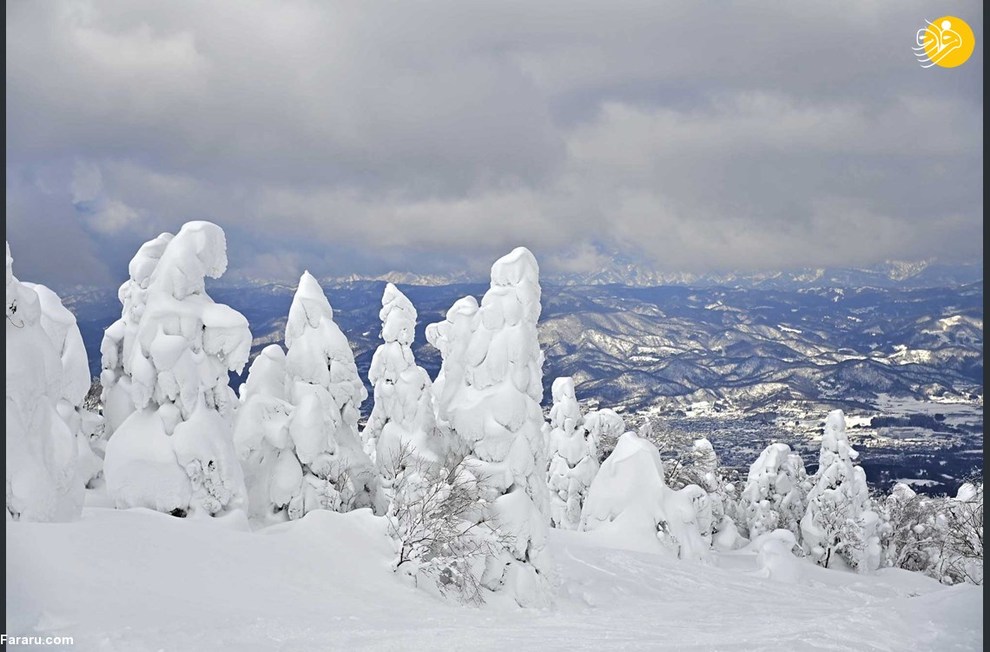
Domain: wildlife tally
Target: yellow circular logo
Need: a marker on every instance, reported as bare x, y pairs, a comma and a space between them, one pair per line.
946, 42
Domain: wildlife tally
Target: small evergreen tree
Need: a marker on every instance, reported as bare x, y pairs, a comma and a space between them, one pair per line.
700, 466
839, 524
573, 457
774, 495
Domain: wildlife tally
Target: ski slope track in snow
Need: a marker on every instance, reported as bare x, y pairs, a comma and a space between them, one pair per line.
137, 580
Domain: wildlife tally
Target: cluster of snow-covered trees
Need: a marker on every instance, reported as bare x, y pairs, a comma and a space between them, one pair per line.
829, 516
466, 469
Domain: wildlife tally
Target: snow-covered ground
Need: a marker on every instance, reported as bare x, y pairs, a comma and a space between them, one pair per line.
135, 580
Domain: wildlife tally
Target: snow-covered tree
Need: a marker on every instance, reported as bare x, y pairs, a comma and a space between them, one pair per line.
86, 424
683, 461
165, 377
452, 337
327, 394
905, 532
440, 524
573, 457
604, 427
297, 432
435, 507
839, 522
939, 536
272, 472
120, 337
774, 495
48, 459
488, 395
402, 419
700, 466
964, 549
630, 505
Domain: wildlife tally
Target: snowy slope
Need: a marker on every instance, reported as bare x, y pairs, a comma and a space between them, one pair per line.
138, 580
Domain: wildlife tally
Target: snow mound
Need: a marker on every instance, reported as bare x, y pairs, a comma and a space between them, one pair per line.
775, 557
630, 506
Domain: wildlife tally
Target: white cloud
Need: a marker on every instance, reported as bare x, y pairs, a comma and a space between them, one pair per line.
112, 217
703, 135
87, 182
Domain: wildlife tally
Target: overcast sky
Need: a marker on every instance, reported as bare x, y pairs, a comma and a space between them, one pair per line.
435, 136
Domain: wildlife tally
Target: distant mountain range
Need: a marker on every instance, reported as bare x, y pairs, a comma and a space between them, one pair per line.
636, 347
751, 348
623, 270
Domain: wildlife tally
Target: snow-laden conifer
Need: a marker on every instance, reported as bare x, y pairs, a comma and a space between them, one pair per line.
48, 458
573, 453
774, 495
297, 430
839, 525
488, 396
165, 379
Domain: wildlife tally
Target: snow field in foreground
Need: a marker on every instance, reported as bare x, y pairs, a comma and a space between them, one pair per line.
134, 580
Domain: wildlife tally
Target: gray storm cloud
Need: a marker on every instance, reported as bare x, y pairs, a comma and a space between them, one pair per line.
364, 137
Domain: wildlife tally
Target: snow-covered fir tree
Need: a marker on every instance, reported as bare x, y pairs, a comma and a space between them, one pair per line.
573, 457
48, 458
488, 395
906, 535
839, 525
297, 432
451, 338
402, 422
774, 495
165, 379
701, 465
327, 394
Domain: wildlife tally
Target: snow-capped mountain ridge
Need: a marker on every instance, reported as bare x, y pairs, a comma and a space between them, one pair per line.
623, 270
631, 346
